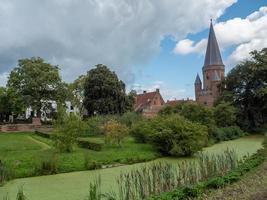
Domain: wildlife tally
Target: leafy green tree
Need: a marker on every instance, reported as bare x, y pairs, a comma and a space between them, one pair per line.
10, 102
76, 93
225, 115
67, 128
104, 93
246, 88
37, 82
198, 113
174, 135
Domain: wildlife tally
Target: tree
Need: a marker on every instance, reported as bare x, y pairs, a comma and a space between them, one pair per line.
67, 128
37, 82
174, 135
246, 88
225, 115
10, 103
104, 93
115, 132
76, 93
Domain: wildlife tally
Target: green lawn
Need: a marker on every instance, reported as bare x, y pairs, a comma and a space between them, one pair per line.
74, 186
23, 151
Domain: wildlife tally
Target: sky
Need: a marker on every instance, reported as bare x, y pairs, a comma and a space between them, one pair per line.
149, 43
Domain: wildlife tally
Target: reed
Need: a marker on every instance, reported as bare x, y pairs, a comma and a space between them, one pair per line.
159, 177
95, 190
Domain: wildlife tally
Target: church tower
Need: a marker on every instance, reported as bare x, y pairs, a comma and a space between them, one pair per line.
213, 72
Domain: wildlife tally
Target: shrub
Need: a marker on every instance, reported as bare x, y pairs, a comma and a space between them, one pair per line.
42, 134
47, 166
115, 132
227, 133
89, 145
141, 131
225, 115
176, 136
130, 118
95, 125
67, 130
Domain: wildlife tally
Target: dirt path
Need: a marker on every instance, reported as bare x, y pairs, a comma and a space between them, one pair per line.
42, 144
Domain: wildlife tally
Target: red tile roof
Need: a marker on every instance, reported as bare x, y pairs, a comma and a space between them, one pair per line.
144, 99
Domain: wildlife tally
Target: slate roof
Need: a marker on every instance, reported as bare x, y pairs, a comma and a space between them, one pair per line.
198, 80
213, 55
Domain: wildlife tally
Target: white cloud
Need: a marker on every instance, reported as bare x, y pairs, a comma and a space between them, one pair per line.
245, 35
77, 34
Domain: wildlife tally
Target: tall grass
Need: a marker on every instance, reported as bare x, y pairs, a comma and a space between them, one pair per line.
47, 166
160, 177
95, 190
6, 173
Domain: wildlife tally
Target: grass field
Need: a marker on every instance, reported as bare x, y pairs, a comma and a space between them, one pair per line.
23, 151
74, 186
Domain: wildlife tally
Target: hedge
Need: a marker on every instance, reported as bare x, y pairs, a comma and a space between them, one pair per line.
89, 145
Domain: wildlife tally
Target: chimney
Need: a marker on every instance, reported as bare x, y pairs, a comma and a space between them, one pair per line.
144, 91
157, 90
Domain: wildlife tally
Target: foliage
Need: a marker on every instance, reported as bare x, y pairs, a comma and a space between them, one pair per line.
230, 177
176, 136
76, 93
5, 173
20, 194
227, 133
104, 93
37, 82
245, 87
67, 129
225, 115
47, 166
115, 132
10, 101
130, 118
89, 145
95, 124
94, 190
141, 131
160, 177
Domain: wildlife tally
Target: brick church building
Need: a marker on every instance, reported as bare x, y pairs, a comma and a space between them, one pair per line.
213, 72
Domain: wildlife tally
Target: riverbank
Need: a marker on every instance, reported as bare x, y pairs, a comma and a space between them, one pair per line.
74, 186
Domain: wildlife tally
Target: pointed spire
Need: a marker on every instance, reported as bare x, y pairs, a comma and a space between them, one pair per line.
198, 80
213, 55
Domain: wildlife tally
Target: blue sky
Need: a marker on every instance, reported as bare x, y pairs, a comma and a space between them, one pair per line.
175, 74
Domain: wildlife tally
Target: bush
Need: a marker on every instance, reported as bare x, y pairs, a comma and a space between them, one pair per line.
47, 166
176, 136
225, 115
227, 133
141, 131
130, 118
42, 134
96, 123
115, 132
89, 145
67, 130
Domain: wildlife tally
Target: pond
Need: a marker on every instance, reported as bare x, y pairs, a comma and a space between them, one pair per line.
74, 186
